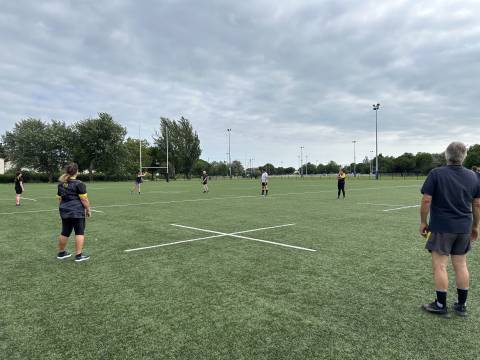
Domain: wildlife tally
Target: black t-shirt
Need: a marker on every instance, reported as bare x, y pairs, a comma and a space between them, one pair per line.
70, 192
453, 189
204, 178
138, 180
18, 181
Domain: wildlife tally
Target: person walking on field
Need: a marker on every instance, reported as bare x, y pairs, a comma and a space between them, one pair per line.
19, 188
74, 206
451, 195
137, 183
205, 181
341, 183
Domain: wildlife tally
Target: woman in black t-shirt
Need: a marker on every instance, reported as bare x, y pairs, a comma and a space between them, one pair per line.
74, 206
19, 188
137, 182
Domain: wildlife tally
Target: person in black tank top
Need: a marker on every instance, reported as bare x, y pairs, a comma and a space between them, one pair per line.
74, 207
19, 188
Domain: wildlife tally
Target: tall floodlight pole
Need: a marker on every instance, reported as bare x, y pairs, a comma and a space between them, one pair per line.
140, 145
229, 156
354, 159
301, 161
166, 140
375, 108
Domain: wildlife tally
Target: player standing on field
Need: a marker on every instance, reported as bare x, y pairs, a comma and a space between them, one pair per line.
137, 182
205, 181
451, 194
341, 183
19, 188
264, 182
74, 207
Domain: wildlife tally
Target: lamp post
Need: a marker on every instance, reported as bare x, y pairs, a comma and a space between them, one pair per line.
229, 156
354, 159
375, 108
301, 161
371, 161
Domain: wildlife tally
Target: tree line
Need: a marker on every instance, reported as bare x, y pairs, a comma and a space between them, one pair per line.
99, 146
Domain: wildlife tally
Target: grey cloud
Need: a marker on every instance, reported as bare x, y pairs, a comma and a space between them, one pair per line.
281, 74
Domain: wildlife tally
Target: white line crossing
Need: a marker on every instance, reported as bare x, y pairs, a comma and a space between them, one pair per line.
401, 208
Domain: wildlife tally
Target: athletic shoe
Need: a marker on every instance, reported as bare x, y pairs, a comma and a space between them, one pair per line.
460, 309
63, 255
433, 308
81, 257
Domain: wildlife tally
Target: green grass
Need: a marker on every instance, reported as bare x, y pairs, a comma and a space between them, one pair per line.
357, 297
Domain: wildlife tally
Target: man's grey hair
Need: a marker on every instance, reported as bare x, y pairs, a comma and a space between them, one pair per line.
456, 153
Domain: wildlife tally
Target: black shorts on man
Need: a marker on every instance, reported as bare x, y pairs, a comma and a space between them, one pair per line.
449, 244
73, 224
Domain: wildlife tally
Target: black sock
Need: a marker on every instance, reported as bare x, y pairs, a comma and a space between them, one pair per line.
263, 192
442, 297
462, 296
266, 192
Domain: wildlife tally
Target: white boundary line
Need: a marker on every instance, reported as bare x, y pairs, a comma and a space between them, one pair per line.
212, 199
25, 198
372, 204
235, 234
220, 234
97, 211
403, 207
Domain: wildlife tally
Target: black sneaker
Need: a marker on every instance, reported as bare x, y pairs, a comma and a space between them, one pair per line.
63, 255
460, 309
435, 309
81, 257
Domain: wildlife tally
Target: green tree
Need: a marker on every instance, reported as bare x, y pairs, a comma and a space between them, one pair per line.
289, 170
100, 146
3, 153
321, 169
132, 159
269, 167
183, 144
200, 166
404, 163
473, 156
332, 167
423, 162
218, 168
44, 147
237, 168
311, 168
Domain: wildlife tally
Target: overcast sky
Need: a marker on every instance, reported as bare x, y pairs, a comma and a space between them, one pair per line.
280, 74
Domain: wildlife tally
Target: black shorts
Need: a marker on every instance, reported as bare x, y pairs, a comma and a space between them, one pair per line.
264, 184
73, 224
449, 244
341, 185
18, 191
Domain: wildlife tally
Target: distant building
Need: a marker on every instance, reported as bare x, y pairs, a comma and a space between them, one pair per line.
4, 166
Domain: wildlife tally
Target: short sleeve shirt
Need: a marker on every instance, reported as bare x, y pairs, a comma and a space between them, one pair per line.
70, 193
264, 177
453, 189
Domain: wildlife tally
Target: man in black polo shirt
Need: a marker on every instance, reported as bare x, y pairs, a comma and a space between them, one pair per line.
451, 194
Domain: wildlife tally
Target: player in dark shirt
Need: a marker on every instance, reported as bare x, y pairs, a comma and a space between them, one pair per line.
341, 183
451, 194
205, 181
19, 188
74, 206
137, 182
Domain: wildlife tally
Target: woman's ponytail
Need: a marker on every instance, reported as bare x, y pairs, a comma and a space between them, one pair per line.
70, 171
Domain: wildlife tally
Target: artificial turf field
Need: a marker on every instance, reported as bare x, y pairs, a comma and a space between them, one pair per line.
356, 297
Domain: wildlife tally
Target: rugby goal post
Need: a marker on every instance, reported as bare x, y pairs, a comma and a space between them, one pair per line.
140, 153
156, 171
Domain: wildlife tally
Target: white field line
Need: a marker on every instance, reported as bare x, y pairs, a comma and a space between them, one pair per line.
204, 238
212, 199
372, 204
173, 243
97, 211
403, 207
25, 198
247, 238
